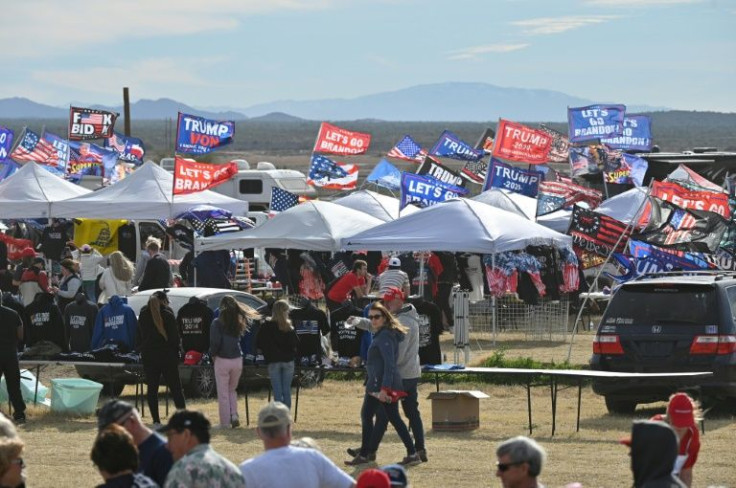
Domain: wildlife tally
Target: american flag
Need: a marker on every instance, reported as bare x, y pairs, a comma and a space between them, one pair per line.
33, 148
408, 150
87, 118
324, 167
282, 200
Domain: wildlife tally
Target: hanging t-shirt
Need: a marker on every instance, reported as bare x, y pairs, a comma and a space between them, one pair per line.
79, 320
310, 323
194, 320
430, 328
550, 269
345, 340
53, 241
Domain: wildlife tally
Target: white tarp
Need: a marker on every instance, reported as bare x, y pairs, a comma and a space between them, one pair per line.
380, 206
624, 206
455, 226
510, 201
144, 194
312, 226
29, 192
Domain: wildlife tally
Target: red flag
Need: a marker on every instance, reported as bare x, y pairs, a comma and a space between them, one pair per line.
334, 140
191, 176
698, 200
518, 142
15, 246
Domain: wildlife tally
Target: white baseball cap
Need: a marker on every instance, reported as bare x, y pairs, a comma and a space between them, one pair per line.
394, 262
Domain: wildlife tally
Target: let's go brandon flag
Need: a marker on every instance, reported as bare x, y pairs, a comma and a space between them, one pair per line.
517, 142
698, 200
90, 123
191, 176
335, 140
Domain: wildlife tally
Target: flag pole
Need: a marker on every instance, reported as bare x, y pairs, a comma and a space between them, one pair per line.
68, 144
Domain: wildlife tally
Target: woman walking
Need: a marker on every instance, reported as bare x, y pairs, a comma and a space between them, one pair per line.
383, 386
277, 340
117, 279
158, 339
225, 334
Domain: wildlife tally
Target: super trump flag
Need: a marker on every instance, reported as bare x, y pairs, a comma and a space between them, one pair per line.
517, 142
335, 140
191, 176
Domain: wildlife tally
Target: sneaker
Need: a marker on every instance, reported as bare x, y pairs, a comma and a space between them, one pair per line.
355, 451
357, 461
19, 419
422, 454
156, 425
235, 423
411, 460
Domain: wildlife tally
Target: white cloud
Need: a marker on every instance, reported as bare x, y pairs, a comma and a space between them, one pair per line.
557, 25
637, 3
475, 52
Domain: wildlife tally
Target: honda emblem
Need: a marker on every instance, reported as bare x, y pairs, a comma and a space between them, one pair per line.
656, 329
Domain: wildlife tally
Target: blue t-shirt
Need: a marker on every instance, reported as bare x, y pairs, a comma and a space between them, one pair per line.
155, 459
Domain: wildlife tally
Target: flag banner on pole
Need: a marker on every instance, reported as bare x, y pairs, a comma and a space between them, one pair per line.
425, 191
517, 142
32, 148
386, 175
698, 200
120, 172
90, 159
128, 148
692, 180
326, 173
556, 195
198, 135
451, 146
485, 141
636, 136
90, 123
559, 151
597, 233
475, 171
593, 159
61, 145
15, 246
595, 122
434, 168
505, 176
408, 150
332, 139
6, 142
282, 200
7, 168
191, 176
652, 259
631, 170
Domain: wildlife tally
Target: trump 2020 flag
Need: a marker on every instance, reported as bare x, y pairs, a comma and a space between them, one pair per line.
332, 139
326, 173
408, 150
90, 123
636, 136
61, 145
191, 176
517, 142
451, 146
426, 191
128, 148
386, 175
282, 200
197, 135
6, 142
515, 179
595, 122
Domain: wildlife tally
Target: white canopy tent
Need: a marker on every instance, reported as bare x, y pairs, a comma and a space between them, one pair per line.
145, 194
510, 201
30, 192
380, 206
559, 220
312, 226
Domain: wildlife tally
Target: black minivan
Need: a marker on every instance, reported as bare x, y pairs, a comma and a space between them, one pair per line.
667, 323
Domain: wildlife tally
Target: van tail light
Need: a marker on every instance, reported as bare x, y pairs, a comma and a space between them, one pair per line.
713, 344
607, 344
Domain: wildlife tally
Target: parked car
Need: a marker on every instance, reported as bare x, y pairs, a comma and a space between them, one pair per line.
669, 322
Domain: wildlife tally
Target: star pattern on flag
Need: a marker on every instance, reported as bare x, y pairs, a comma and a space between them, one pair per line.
282, 200
408, 150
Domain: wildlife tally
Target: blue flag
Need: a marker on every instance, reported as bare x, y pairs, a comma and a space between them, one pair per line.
451, 146
323, 167
426, 191
637, 134
197, 135
595, 122
517, 180
408, 150
637, 168
128, 148
386, 175
7, 168
62, 149
282, 200
90, 159
6, 142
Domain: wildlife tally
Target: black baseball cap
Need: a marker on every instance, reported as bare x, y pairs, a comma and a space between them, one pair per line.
187, 419
113, 412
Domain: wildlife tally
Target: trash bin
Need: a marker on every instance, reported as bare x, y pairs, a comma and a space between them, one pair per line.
27, 389
74, 395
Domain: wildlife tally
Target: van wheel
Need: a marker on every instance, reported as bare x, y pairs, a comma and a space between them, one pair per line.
620, 407
202, 382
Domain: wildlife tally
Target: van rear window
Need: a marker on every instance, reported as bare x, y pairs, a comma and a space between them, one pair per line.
251, 187
662, 304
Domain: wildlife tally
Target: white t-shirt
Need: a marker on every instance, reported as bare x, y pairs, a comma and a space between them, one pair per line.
293, 467
392, 277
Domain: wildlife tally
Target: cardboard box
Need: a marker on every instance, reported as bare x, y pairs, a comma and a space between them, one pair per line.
456, 410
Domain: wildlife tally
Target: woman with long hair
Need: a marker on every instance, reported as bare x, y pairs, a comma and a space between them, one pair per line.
277, 340
225, 334
158, 339
117, 279
383, 386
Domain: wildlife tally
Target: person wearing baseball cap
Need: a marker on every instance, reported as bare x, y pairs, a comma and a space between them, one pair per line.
681, 415
196, 464
287, 466
394, 277
373, 478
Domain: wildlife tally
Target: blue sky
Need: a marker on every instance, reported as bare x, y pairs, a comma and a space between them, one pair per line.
236, 53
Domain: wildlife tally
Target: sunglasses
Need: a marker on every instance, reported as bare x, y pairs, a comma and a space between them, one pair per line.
375, 317
503, 467
19, 462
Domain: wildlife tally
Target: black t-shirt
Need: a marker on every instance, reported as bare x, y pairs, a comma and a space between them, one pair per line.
9, 323
79, 321
550, 272
346, 341
127, 242
45, 322
430, 328
194, 320
53, 241
309, 323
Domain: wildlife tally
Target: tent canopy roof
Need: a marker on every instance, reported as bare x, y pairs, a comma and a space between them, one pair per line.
380, 206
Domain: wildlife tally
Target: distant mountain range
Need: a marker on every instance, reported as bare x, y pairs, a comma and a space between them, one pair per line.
466, 102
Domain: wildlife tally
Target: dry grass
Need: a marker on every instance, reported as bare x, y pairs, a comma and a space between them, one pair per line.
57, 451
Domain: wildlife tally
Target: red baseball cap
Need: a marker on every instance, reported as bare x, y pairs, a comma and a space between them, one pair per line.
680, 411
373, 478
191, 358
392, 293
28, 252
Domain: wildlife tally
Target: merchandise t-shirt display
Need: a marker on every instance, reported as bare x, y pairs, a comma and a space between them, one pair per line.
550, 272
45, 322
430, 328
345, 340
194, 320
310, 323
79, 321
53, 241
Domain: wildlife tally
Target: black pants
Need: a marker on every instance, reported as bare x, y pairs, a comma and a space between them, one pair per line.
369, 438
410, 405
9, 367
155, 364
444, 290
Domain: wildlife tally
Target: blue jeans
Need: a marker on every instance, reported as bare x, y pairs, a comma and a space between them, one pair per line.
410, 405
371, 437
89, 290
281, 375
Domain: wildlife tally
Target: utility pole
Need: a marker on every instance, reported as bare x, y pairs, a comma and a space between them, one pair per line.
126, 110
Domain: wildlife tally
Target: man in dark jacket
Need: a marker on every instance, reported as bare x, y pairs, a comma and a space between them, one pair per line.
212, 268
157, 273
653, 455
11, 331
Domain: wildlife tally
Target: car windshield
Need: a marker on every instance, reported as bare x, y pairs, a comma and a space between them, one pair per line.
662, 305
